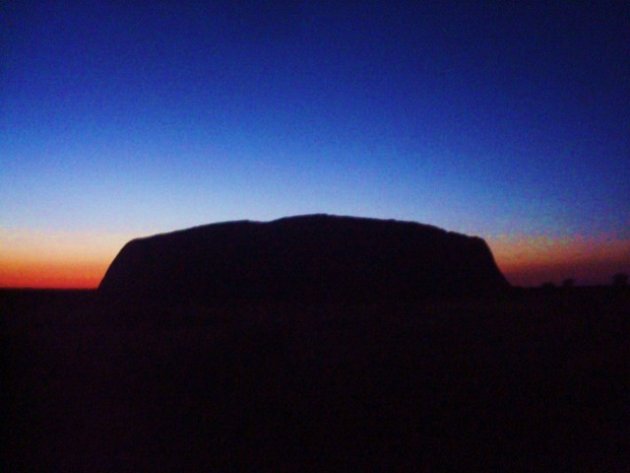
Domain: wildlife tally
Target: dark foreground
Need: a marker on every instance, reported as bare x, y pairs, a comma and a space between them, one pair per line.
533, 381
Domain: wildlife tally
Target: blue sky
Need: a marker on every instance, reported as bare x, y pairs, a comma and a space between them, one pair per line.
141, 117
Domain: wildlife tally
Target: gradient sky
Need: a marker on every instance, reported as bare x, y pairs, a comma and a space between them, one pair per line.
507, 121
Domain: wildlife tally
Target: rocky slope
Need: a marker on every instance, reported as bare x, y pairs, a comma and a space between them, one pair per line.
313, 257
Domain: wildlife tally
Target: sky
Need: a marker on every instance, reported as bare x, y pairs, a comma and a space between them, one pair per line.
507, 120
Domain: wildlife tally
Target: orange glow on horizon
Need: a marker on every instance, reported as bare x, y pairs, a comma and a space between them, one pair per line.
80, 260
56, 260
530, 261
53, 275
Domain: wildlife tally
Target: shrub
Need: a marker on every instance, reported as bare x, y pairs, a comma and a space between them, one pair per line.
620, 280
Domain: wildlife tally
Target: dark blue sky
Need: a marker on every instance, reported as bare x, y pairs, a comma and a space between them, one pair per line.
495, 119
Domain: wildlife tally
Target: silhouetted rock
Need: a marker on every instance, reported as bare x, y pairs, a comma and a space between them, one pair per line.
306, 258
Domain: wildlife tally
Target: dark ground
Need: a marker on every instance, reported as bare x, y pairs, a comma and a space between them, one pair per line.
531, 381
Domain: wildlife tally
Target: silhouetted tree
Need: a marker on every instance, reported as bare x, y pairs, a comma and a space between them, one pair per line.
568, 283
620, 280
548, 287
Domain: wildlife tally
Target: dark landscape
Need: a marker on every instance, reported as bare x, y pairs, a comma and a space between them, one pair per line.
138, 335
495, 379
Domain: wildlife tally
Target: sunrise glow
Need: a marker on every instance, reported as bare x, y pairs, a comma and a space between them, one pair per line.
57, 259
79, 260
124, 119
530, 261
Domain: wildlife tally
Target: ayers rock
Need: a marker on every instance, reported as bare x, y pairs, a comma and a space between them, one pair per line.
311, 257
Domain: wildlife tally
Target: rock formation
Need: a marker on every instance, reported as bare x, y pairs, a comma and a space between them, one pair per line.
312, 257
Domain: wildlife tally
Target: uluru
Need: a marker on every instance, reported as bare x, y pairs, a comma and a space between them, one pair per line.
310, 257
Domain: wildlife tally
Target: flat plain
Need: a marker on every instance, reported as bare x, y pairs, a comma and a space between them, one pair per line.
530, 380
